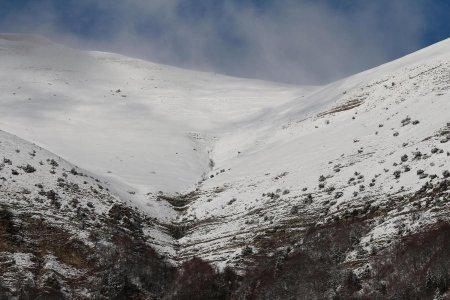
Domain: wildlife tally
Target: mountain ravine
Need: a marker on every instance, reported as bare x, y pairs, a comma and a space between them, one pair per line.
126, 179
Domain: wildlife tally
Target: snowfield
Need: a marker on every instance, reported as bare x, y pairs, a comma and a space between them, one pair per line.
149, 125
220, 164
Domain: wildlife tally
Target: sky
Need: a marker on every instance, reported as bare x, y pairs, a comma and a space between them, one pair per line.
294, 41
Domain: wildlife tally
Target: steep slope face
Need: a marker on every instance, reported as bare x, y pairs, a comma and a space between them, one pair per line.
362, 147
64, 235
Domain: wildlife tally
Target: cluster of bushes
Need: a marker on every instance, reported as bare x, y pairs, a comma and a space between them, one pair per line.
415, 268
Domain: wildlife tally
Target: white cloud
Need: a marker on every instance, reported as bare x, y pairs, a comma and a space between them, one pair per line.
293, 41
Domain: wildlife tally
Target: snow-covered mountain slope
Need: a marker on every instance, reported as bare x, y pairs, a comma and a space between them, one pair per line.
61, 228
355, 144
149, 125
232, 170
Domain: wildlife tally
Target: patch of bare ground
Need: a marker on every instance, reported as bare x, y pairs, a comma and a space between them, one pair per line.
346, 106
180, 202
